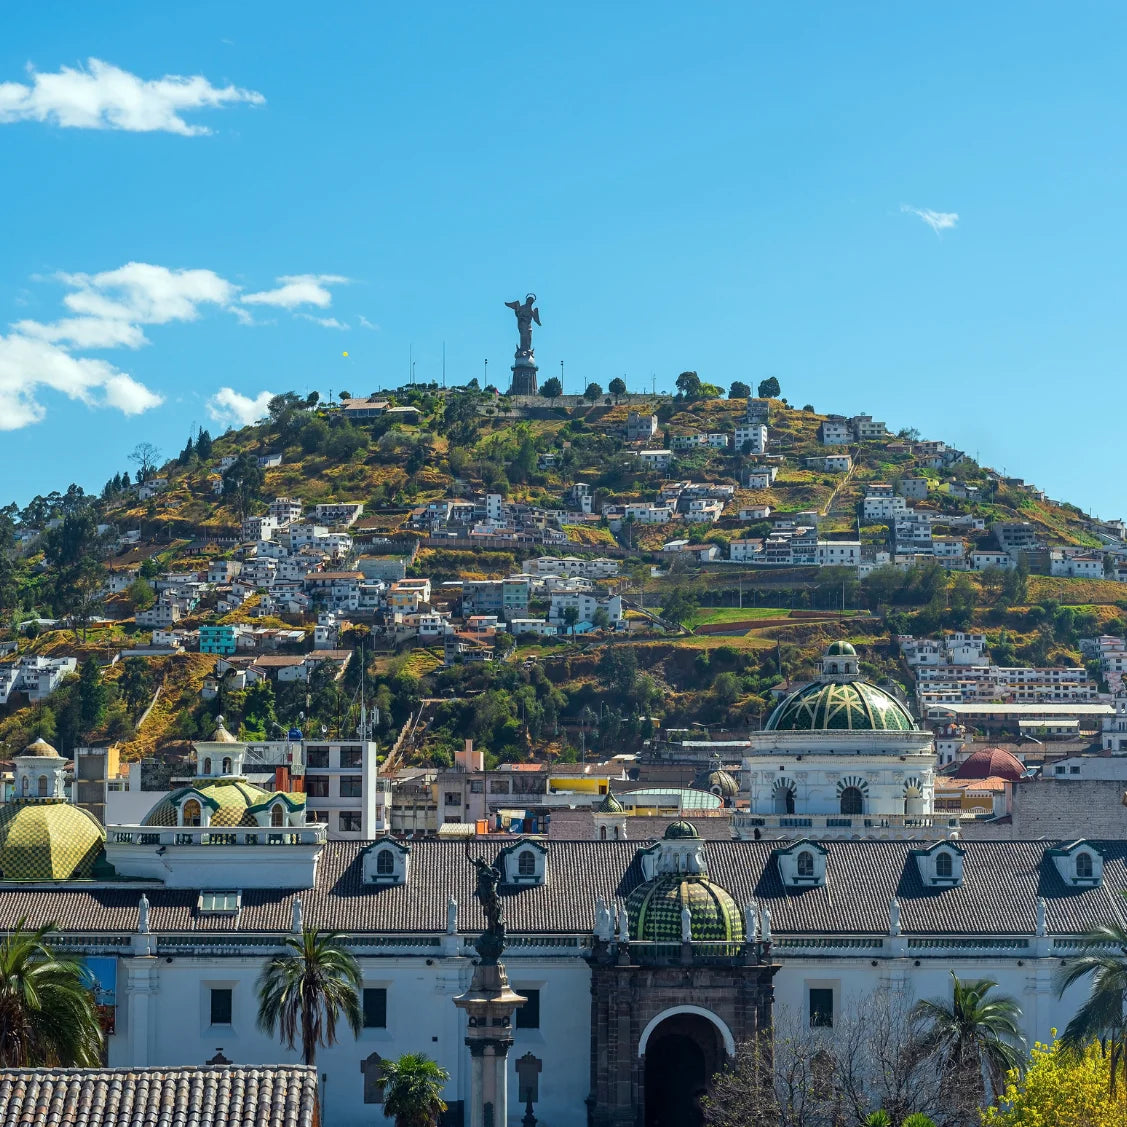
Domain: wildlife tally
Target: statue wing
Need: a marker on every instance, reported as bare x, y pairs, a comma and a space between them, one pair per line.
512, 305
536, 316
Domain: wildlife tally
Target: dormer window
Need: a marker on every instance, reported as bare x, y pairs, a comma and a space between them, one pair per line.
1079, 864
386, 862
941, 865
191, 813
803, 865
526, 864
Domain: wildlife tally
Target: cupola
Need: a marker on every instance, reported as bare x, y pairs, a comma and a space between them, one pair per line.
679, 851
40, 772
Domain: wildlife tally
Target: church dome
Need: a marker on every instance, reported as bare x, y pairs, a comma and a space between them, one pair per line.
41, 749
840, 649
44, 840
991, 763
232, 803
717, 781
610, 805
679, 830
654, 910
221, 735
840, 706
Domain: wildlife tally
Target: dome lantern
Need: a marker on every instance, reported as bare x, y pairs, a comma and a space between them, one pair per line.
40, 772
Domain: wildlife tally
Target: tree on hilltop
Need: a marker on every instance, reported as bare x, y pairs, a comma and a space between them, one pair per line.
551, 388
617, 386
769, 388
592, 391
739, 390
688, 384
147, 457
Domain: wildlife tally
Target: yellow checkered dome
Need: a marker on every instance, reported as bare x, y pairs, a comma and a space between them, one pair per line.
48, 839
230, 801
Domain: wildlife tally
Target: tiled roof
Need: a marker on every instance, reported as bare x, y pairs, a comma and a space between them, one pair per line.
44, 839
1002, 880
258, 1096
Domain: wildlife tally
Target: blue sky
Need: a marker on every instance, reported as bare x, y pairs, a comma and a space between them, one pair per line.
716, 186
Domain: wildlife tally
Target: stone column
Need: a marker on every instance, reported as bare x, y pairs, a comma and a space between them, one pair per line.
489, 1004
140, 988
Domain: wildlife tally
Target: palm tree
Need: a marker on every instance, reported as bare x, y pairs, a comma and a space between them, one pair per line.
304, 991
977, 1035
1104, 958
413, 1090
47, 1010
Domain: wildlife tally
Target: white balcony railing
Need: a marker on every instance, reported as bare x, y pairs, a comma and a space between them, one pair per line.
218, 835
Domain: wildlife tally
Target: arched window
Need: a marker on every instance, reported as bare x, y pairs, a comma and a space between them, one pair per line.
806, 863
276, 814
227, 765
526, 864
602, 833
616, 833
385, 863
191, 813
913, 803
43, 790
1083, 864
207, 765
943, 865
26, 785
852, 801
784, 800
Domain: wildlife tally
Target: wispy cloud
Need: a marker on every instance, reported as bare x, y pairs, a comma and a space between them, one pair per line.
111, 310
298, 289
103, 96
936, 220
366, 324
230, 408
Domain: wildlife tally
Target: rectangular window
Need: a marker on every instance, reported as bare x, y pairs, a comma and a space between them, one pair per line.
375, 1007
317, 786
453, 798
221, 1006
351, 786
317, 757
219, 903
822, 1006
350, 821
315, 817
476, 786
528, 1015
498, 786
351, 757
1074, 770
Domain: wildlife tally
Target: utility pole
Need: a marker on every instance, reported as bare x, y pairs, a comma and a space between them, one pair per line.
444, 364
486, 381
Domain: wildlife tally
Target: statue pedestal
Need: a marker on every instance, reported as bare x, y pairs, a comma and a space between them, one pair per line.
489, 1004
524, 375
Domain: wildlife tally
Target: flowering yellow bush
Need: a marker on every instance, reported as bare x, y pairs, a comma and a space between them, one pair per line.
1060, 1089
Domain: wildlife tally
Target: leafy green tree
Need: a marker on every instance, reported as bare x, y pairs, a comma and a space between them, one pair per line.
47, 1011
203, 446
678, 606
413, 1085
551, 388
769, 388
243, 481
92, 695
739, 390
140, 595
689, 385
977, 1038
617, 386
1103, 960
135, 683
304, 992
592, 392
570, 617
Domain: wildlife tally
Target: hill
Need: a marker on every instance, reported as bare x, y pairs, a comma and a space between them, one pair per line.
95, 564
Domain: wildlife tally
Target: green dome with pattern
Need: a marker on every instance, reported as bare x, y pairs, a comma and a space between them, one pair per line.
840, 706
840, 649
680, 829
654, 910
610, 805
44, 839
233, 802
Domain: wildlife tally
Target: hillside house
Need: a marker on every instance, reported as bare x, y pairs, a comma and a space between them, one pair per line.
882, 504
269, 461
755, 512
682, 442
836, 431
586, 607
746, 551
838, 553
866, 427
640, 427
370, 408
655, 459
754, 435
837, 463
36, 676
285, 510
759, 477
344, 513
914, 488
151, 486
164, 612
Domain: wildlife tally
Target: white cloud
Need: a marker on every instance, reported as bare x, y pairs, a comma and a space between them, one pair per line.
298, 289
104, 96
366, 324
27, 366
228, 407
936, 220
110, 310
324, 322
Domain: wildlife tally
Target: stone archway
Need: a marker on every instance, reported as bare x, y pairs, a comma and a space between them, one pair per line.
682, 1053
